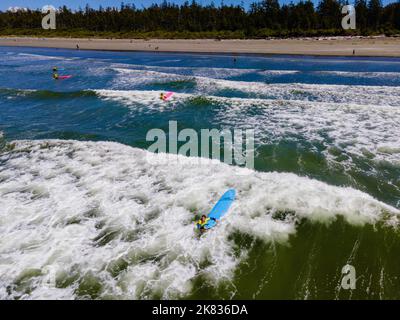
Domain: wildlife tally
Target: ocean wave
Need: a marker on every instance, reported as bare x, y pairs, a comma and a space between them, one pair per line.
278, 72
143, 101
378, 95
355, 94
32, 56
118, 221
211, 72
354, 129
351, 128
352, 74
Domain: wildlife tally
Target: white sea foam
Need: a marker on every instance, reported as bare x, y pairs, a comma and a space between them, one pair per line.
392, 75
355, 94
128, 77
278, 72
210, 72
340, 127
143, 101
32, 56
378, 95
100, 212
358, 120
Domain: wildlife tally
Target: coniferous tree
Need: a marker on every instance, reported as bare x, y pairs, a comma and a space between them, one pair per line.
329, 12
374, 13
361, 14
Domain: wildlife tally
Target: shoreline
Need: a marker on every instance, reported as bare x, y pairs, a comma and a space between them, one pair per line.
329, 46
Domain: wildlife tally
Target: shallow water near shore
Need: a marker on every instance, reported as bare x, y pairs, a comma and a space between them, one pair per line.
85, 214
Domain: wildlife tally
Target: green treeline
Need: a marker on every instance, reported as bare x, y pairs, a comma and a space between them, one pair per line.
191, 20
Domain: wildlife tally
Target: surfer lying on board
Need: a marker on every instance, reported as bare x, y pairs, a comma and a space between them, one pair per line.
166, 96
201, 224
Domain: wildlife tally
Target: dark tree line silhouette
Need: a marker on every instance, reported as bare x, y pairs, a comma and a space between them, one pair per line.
262, 19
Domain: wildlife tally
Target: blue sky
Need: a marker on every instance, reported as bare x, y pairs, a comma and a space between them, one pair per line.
5, 4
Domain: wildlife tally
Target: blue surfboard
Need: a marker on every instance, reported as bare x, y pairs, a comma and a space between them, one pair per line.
221, 208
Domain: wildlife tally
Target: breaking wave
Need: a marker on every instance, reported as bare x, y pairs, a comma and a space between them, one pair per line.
96, 218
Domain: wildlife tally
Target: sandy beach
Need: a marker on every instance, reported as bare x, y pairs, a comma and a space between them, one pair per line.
338, 46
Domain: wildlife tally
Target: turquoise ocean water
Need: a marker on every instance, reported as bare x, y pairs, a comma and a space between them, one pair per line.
85, 214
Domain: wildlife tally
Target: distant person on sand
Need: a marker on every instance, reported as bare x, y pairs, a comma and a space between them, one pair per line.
77, 47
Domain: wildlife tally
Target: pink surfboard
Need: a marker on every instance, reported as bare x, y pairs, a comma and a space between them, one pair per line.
64, 77
168, 95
